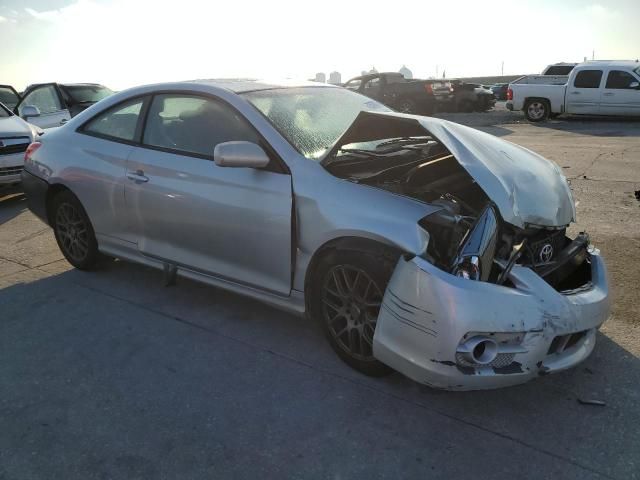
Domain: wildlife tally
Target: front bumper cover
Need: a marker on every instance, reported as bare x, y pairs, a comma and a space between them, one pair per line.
426, 313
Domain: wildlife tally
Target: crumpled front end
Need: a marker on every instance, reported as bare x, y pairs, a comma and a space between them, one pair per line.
454, 333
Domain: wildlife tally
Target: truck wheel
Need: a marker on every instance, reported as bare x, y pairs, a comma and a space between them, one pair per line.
407, 106
465, 106
536, 110
346, 294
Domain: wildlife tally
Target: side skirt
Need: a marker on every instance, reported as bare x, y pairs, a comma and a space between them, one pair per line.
294, 303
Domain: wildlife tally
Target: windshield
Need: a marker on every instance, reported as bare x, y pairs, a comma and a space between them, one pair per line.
8, 97
312, 118
559, 70
87, 93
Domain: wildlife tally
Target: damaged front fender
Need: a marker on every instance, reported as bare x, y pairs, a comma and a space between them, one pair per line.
429, 317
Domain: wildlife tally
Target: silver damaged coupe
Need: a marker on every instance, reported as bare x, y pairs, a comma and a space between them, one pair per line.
418, 244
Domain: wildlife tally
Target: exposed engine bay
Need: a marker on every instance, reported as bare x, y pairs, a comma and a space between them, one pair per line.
468, 237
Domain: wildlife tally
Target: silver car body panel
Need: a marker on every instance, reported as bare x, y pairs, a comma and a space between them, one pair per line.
13, 131
254, 255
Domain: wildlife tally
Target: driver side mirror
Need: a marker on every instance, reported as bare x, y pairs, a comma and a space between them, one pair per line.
240, 154
635, 85
29, 111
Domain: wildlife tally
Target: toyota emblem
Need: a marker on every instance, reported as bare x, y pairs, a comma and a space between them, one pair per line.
546, 253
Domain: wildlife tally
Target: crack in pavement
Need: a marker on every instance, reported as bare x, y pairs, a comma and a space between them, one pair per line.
591, 164
347, 379
32, 235
28, 267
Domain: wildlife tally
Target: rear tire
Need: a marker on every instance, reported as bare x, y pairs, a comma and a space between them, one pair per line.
407, 106
346, 293
536, 110
73, 231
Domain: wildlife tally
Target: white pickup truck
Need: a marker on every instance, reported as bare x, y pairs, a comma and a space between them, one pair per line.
592, 88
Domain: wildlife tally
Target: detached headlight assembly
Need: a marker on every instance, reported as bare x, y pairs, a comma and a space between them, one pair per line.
478, 247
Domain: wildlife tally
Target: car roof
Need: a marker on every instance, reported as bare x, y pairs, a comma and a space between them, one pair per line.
242, 85
377, 74
81, 84
610, 63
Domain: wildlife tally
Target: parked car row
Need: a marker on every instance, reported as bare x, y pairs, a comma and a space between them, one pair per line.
423, 96
23, 118
15, 137
50, 105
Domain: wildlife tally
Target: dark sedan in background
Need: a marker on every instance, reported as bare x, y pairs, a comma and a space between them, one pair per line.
471, 97
500, 90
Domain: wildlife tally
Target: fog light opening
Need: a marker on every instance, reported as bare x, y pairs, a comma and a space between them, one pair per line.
485, 351
480, 350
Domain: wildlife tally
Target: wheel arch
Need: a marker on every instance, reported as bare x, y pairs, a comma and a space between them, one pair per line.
355, 243
53, 190
538, 99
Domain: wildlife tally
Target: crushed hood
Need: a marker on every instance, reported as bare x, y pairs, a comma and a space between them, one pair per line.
527, 188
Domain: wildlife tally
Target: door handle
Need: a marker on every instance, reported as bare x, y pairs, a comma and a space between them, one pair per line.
138, 176
608, 94
63, 121
575, 93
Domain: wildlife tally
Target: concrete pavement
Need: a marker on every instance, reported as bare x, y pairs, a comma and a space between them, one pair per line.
111, 375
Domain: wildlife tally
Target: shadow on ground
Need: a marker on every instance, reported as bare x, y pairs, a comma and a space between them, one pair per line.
12, 203
595, 126
110, 374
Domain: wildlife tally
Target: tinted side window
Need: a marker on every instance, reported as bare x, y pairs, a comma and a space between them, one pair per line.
588, 79
120, 122
45, 98
620, 79
193, 124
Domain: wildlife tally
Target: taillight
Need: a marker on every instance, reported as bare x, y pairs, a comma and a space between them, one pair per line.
509, 94
428, 88
31, 149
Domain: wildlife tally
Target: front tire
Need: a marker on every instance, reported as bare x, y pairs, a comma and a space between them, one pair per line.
537, 110
347, 291
73, 231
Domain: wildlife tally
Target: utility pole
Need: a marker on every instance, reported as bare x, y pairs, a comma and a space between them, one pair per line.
593, 54
502, 69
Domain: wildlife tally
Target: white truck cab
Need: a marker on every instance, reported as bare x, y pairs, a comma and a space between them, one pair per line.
603, 87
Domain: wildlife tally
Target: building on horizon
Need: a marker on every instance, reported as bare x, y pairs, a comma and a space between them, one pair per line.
335, 78
321, 77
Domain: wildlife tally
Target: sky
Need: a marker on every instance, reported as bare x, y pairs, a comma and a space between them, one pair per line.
123, 43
